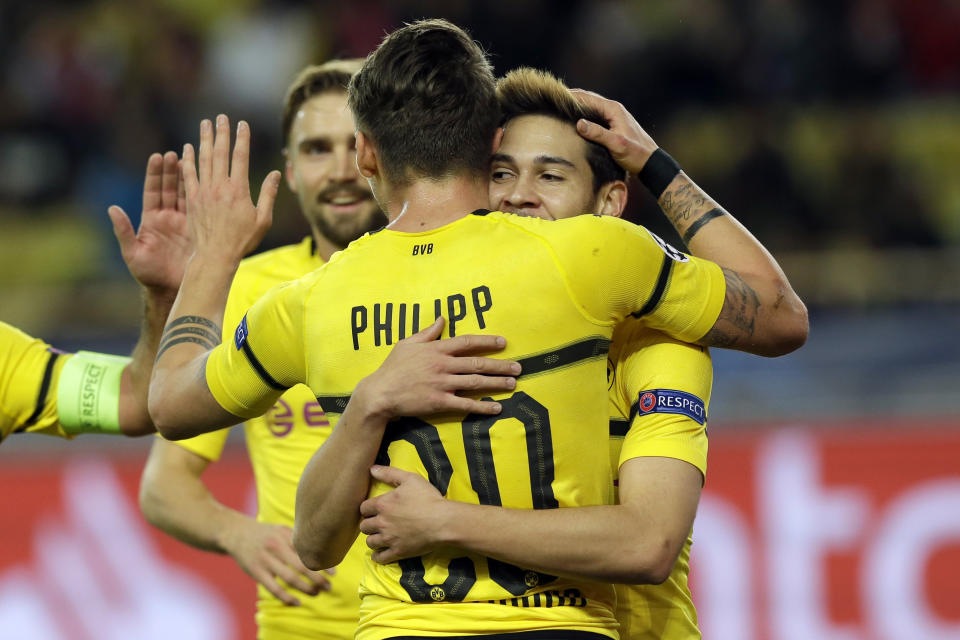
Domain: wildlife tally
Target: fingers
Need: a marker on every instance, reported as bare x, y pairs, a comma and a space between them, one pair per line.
205, 153
486, 366
595, 133
221, 149
268, 195
241, 156
181, 190
469, 405
595, 101
431, 333
189, 170
473, 344
278, 592
292, 570
368, 509
385, 556
170, 180
391, 475
122, 228
152, 183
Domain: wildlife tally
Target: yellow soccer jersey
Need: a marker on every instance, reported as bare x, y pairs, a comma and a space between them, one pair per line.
555, 290
29, 375
659, 393
280, 443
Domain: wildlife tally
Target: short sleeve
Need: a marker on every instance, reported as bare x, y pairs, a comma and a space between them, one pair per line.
29, 376
207, 445
263, 357
618, 269
666, 384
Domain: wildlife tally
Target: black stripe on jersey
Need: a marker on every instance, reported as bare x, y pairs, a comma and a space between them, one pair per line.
42, 394
266, 377
564, 356
620, 426
552, 634
333, 404
536, 364
658, 290
480, 212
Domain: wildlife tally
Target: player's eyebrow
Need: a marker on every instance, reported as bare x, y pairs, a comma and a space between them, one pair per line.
554, 160
502, 157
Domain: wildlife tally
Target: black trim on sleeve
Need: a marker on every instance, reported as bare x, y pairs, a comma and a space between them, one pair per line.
266, 377
658, 290
333, 404
619, 426
42, 394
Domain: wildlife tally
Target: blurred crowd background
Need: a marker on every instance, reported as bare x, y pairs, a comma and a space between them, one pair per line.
831, 129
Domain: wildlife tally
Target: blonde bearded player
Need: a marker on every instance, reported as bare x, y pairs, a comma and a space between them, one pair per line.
427, 114
659, 387
293, 602
43, 390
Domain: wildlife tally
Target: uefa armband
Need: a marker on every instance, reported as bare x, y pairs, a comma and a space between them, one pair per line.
88, 397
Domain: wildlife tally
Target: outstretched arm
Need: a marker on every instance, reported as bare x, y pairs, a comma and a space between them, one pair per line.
156, 256
762, 314
225, 225
420, 377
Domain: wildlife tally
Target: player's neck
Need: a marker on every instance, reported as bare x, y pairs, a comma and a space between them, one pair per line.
429, 204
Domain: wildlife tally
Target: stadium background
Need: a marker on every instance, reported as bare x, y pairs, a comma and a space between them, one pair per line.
832, 129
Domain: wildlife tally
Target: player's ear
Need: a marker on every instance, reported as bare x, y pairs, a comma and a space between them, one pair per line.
366, 156
288, 171
612, 199
497, 139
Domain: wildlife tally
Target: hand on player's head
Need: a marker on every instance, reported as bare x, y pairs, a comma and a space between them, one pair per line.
221, 215
626, 140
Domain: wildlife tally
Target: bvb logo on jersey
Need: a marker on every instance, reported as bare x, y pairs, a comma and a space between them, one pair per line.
531, 579
437, 594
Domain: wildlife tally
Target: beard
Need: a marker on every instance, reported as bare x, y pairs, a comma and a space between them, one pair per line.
345, 230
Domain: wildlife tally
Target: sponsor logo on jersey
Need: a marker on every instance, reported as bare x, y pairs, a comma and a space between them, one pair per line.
671, 401
672, 253
241, 334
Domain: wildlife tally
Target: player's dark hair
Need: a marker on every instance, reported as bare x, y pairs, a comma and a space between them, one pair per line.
426, 98
314, 80
525, 91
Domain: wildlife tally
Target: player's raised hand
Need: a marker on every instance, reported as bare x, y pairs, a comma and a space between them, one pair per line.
424, 375
222, 218
404, 522
157, 253
626, 140
265, 552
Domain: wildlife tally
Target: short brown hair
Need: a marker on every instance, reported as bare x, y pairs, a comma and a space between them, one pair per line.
333, 75
525, 91
427, 99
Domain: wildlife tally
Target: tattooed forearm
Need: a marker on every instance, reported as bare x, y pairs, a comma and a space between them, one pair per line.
189, 329
737, 320
699, 223
683, 200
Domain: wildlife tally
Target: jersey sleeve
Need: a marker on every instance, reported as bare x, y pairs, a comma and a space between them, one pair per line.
208, 445
263, 357
665, 386
29, 375
618, 269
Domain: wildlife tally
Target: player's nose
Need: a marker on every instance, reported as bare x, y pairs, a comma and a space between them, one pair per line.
521, 196
344, 167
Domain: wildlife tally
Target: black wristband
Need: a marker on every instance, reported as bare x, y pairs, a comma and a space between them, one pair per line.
659, 172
